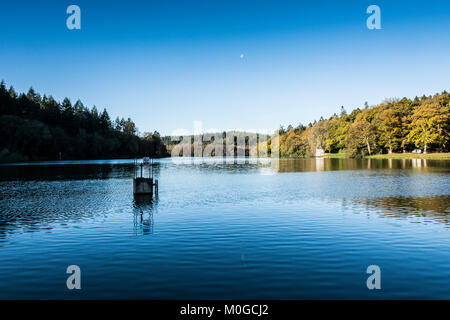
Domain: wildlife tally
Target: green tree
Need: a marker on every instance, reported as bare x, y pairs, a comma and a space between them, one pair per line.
361, 138
390, 129
430, 125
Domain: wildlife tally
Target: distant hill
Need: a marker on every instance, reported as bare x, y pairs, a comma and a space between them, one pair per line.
239, 148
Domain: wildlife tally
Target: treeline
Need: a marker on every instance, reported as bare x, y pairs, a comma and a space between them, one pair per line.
40, 128
393, 126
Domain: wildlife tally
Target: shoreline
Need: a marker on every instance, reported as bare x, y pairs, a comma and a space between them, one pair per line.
428, 156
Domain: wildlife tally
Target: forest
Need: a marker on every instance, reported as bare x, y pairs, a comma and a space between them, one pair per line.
396, 125
35, 127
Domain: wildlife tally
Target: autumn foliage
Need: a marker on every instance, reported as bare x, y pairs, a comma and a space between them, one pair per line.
393, 126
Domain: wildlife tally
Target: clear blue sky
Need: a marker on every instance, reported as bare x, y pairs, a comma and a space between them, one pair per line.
167, 63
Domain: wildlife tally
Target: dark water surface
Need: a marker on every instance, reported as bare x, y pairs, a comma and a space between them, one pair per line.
233, 229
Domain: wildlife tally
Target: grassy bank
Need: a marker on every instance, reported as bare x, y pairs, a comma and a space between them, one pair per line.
435, 156
336, 155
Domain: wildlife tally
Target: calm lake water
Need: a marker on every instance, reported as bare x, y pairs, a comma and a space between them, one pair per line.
227, 229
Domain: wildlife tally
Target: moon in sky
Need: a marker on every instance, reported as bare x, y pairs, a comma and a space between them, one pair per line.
242, 56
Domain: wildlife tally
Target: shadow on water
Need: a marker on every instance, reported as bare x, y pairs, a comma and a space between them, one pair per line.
144, 207
63, 172
83, 170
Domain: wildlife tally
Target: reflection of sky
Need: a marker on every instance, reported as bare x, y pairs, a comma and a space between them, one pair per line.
168, 63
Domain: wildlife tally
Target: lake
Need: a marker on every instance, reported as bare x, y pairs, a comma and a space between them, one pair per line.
234, 229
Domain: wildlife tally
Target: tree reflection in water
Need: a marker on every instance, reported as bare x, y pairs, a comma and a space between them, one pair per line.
434, 208
144, 207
